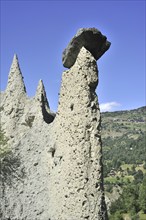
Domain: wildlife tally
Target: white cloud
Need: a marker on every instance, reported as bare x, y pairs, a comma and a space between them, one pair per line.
109, 106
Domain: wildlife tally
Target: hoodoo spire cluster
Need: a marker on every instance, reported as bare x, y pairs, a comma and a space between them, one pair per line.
59, 156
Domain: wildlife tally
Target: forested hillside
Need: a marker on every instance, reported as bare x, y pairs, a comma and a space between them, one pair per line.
124, 158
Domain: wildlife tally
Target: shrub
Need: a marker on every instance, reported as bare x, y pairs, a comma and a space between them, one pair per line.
9, 163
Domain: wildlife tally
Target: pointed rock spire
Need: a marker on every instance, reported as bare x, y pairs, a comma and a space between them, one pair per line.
15, 80
41, 94
43, 110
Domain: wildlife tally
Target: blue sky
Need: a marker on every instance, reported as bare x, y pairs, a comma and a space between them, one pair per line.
38, 31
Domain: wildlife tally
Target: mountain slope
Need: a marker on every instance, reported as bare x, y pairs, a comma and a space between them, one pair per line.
124, 138
124, 150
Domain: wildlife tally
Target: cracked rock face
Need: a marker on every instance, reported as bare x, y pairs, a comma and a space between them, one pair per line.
90, 38
75, 156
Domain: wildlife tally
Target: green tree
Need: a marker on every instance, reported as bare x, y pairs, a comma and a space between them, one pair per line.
134, 216
133, 171
144, 166
138, 177
117, 205
130, 198
116, 216
142, 195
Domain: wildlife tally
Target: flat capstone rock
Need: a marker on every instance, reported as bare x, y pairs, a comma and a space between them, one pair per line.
90, 38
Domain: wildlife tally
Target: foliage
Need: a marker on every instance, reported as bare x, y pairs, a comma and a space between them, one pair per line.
138, 177
9, 163
142, 195
123, 150
123, 138
116, 216
124, 141
132, 200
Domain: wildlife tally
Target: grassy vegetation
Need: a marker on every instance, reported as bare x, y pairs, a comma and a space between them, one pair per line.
142, 216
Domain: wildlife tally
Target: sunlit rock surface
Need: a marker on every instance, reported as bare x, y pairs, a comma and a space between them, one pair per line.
54, 163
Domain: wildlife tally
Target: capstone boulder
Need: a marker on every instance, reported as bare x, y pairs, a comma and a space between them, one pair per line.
90, 38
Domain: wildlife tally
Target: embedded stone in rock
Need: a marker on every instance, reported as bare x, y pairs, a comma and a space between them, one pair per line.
90, 38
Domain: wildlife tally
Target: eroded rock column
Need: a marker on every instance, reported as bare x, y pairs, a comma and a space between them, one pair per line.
76, 180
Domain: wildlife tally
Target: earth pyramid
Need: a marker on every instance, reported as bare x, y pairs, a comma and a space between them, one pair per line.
58, 174
76, 176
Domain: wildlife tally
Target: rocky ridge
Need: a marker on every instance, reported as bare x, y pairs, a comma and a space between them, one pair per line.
59, 158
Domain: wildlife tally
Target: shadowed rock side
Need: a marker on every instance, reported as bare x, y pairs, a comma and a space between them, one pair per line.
76, 179
41, 97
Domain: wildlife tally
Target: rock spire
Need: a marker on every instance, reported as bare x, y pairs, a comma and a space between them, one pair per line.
43, 105
41, 94
21, 111
15, 84
76, 178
